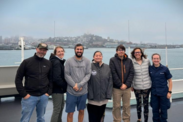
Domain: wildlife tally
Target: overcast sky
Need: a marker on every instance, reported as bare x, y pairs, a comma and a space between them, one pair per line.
106, 18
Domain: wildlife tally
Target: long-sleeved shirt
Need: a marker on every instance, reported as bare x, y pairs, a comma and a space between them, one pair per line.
77, 71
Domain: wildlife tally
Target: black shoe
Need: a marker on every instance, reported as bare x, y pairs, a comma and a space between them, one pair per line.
139, 121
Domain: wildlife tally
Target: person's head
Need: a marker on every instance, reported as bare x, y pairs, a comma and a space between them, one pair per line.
97, 56
59, 51
41, 50
156, 58
137, 53
120, 50
79, 49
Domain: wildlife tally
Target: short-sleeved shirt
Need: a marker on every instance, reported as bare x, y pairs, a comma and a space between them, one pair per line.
159, 76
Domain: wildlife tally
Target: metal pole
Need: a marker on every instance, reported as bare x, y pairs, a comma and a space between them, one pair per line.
54, 30
166, 47
129, 51
166, 52
128, 37
22, 48
166, 56
128, 31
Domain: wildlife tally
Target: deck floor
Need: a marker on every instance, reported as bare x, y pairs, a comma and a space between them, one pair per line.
10, 111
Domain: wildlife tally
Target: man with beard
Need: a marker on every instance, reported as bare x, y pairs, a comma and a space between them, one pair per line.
37, 86
77, 74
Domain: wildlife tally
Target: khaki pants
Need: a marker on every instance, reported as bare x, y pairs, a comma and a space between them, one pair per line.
125, 95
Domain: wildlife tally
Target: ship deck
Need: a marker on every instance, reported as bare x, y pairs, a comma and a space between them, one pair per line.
10, 111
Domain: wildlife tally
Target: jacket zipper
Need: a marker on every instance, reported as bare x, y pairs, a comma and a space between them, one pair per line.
40, 70
122, 71
100, 83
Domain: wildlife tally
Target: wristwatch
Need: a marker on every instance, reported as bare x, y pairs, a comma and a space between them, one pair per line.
170, 92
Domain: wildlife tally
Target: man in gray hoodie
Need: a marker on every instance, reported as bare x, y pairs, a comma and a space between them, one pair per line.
77, 74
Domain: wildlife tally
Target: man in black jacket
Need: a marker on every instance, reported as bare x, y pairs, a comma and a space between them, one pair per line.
122, 74
37, 86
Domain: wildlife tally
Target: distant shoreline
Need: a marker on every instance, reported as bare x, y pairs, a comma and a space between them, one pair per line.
105, 48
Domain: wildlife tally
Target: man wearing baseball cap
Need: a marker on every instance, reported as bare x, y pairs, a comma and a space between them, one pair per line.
37, 86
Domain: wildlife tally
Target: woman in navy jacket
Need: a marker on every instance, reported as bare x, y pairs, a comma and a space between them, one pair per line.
59, 83
160, 91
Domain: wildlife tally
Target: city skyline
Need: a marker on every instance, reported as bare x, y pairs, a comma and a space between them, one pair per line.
146, 19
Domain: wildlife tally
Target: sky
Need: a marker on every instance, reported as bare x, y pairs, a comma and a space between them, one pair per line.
143, 20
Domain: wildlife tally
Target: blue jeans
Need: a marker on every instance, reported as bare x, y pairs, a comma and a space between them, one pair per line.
28, 105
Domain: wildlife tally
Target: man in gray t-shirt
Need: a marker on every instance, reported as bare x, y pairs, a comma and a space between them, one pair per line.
77, 74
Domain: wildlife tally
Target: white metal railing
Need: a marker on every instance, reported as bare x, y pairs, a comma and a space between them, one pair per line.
178, 80
174, 92
176, 68
7, 75
10, 66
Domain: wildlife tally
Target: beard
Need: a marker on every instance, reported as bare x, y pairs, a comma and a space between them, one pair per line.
40, 55
79, 56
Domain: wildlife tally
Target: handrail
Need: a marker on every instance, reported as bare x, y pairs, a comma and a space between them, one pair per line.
176, 68
19, 62
177, 80
9, 66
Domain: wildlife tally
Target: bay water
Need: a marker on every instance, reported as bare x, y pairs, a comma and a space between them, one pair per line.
175, 57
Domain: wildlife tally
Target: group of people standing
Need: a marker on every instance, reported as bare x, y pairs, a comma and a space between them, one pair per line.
95, 81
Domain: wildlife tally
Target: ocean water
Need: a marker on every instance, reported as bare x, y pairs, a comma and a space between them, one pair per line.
175, 57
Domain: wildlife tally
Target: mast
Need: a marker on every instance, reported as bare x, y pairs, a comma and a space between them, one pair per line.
128, 31
166, 46
54, 30
128, 37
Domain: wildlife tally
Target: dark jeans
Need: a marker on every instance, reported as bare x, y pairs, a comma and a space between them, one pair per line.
95, 113
145, 94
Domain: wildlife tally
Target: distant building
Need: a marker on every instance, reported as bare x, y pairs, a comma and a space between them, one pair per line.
110, 45
1, 39
108, 39
97, 43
